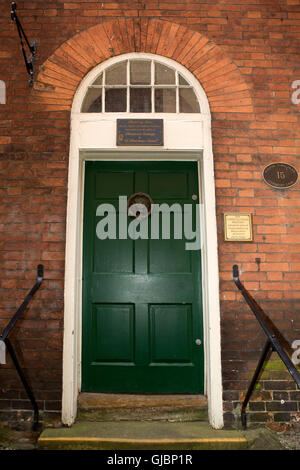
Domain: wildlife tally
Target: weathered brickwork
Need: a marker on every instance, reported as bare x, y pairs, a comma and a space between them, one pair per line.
246, 56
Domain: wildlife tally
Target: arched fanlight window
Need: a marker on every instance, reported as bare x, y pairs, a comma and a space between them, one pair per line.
140, 86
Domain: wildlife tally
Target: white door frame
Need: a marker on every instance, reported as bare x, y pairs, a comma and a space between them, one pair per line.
79, 153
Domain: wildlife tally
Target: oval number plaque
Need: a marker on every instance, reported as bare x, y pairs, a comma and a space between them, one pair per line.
280, 175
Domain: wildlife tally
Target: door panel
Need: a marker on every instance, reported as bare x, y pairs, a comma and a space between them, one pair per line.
171, 333
142, 308
113, 344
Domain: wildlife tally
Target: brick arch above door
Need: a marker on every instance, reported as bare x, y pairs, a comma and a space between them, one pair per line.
60, 75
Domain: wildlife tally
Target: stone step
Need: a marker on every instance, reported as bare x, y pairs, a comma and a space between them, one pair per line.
137, 435
120, 407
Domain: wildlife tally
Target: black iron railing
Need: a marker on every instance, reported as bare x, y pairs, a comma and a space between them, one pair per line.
274, 343
4, 338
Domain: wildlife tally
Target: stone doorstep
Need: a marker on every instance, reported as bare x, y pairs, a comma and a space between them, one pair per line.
114, 400
117, 407
139, 435
148, 436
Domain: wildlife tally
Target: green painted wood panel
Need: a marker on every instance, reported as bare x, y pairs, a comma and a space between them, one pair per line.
112, 344
171, 333
142, 302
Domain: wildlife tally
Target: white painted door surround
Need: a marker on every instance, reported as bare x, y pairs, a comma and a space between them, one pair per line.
186, 136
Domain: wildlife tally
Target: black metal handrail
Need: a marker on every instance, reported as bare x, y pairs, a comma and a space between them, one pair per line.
273, 343
4, 337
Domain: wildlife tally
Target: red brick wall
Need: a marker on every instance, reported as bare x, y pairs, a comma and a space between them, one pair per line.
253, 51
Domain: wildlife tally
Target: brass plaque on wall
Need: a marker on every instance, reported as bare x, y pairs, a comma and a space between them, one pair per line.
238, 227
140, 132
280, 175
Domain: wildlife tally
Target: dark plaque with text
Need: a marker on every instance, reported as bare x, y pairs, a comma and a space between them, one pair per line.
280, 175
140, 132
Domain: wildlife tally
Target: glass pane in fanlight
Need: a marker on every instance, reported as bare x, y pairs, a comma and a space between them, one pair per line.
165, 100
98, 80
140, 72
164, 75
116, 74
93, 101
182, 81
140, 100
115, 100
188, 102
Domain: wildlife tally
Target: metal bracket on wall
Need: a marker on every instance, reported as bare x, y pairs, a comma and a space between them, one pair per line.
32, 47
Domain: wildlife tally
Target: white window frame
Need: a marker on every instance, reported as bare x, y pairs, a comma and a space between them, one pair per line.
128, 86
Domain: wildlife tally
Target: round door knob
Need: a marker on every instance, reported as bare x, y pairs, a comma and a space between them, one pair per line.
144, 201
198, 342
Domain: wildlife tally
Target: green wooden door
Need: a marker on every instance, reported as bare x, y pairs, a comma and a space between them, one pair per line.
142, 306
